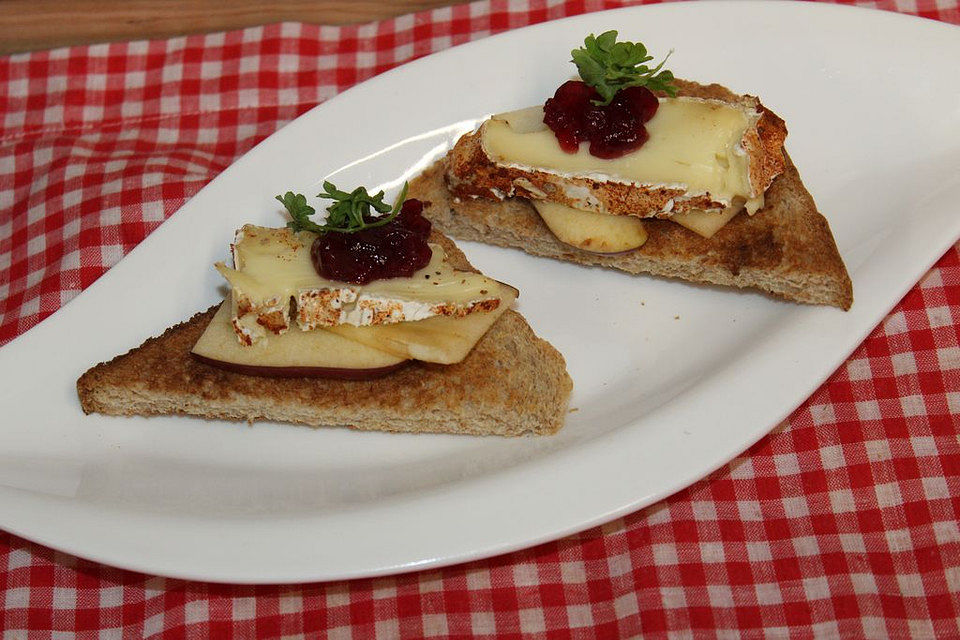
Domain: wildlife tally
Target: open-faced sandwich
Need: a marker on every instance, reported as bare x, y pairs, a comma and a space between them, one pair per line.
632, 169
370, 320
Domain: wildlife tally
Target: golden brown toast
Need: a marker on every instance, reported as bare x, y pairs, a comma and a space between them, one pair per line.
511, 383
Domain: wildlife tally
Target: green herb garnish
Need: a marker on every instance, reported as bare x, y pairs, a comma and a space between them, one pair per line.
608, 66
348, 213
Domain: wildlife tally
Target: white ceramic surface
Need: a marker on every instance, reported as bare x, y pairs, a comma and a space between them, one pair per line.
671, 380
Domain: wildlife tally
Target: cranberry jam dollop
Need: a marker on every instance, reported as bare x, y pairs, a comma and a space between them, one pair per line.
613, 130
395, 250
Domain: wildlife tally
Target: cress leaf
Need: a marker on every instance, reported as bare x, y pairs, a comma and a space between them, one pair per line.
606, 40
591, 71
608, 66
349, 212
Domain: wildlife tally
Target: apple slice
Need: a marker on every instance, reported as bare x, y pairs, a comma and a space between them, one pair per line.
596, 232
301, 372
705, 223
444, 340
317, 353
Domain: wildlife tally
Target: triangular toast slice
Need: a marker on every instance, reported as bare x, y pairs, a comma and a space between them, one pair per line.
511, 383
785, 249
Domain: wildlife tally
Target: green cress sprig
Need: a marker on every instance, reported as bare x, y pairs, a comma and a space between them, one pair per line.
348, 212
608, 66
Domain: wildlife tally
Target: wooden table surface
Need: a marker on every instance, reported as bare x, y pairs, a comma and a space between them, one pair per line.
32, 25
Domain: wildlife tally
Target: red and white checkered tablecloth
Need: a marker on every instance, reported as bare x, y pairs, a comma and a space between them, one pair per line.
842, 523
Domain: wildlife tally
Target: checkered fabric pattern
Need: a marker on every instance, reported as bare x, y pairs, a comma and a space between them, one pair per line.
841, 523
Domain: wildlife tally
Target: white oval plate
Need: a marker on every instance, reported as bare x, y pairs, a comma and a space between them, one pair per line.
671, 380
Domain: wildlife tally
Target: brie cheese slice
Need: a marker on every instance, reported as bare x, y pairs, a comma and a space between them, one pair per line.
695, 144
275, 283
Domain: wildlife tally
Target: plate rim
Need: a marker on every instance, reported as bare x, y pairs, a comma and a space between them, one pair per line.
493, 549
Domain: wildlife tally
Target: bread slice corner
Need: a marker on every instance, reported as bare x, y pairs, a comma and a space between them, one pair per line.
786, 249
512, 383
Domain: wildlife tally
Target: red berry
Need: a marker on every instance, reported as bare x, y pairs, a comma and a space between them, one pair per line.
641, 99
395, 250
613, 130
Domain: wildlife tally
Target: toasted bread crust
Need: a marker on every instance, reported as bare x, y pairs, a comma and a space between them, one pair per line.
785, 249
511, 383
472, 174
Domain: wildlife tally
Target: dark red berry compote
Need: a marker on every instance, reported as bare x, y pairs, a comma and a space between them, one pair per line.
613, 130
395, 250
